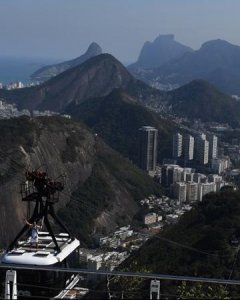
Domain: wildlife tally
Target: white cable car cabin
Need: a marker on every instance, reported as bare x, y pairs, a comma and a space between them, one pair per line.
56, 250
45, 283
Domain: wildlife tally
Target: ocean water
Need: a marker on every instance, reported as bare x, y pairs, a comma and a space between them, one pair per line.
20, 68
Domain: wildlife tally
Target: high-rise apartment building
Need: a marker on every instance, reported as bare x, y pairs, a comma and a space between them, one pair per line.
177, 145
171, 174
202, 149
219, 165
205, 188
148, 148
179, 191
213, 145
188, 147
192, 191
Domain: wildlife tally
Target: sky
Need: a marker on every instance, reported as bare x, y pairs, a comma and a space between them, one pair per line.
65, 28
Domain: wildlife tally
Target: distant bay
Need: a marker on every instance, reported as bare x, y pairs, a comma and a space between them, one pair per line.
20, 68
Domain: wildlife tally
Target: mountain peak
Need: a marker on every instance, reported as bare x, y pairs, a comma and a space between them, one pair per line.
96, 77
163, 49
200, 87
48, 72
201, 84
164, 37
94, 49
218, 43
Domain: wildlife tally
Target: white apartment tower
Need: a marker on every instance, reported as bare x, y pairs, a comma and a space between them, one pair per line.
213, 145
177, 145
188, 147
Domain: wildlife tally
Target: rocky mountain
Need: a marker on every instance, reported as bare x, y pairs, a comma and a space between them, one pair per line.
163, 49
102, 188
96, 77
201, 100
100, 75
117, 117
47, 72
217, 61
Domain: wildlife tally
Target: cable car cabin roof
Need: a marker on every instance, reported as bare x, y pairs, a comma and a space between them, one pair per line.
45, 254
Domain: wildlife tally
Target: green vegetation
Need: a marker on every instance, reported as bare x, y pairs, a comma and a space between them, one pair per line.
201, 100
117, 118
14, 132
86, 203
201, 291
199, 245
104, 183
98, 193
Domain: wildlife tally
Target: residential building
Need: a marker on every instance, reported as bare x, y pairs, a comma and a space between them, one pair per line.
188, 147
214, 178
199, 178
219, 165
171, 174
187, 174
168, 174
150, 218
202, 149
172, 218
192, 191
179, 191
213, 145
148, 148
205, 188
177, 145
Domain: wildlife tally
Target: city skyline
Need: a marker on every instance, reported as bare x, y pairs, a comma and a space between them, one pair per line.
60, 29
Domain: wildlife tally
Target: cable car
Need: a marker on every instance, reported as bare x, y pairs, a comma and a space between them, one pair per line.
51, 249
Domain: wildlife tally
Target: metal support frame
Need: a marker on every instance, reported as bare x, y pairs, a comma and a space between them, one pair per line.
43, 208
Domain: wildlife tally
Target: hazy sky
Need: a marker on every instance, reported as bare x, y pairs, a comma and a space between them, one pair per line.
64, 28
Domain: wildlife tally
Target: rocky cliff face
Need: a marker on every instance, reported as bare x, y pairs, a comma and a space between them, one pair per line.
47, 72
49, 143
97, 193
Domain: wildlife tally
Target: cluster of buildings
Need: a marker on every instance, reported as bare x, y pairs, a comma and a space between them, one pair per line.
12, 85
199, 150
196, 151
98, 260
8, 111
163, 210
16, 85
123, 238
113, 250
186, 185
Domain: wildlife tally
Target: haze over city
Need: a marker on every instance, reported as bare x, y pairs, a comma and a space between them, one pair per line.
119, 149
64, 29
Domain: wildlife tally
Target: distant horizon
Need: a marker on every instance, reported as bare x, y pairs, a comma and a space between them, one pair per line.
63, 29
60, 59
19, 68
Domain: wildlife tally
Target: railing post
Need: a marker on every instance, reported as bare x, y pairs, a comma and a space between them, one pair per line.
155, 289
11, 285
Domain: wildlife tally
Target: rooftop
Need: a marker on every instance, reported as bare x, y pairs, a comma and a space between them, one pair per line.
45, 254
